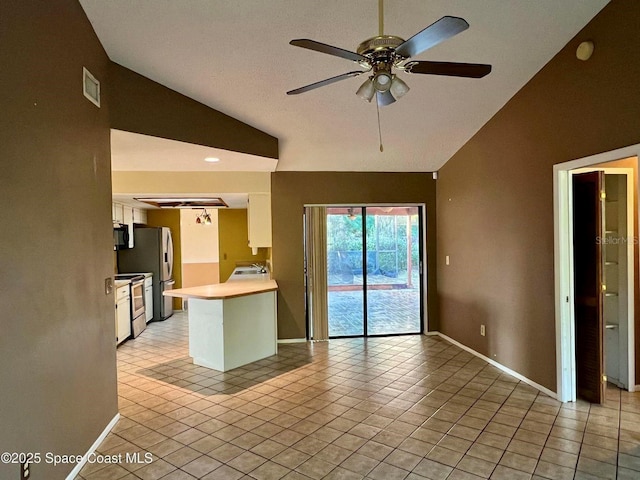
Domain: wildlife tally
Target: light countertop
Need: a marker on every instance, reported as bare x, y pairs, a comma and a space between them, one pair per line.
221, 291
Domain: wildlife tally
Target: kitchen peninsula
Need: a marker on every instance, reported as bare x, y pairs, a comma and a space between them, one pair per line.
233, 323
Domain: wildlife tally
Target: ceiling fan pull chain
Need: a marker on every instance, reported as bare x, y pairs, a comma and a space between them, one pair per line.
379, 129
381, 17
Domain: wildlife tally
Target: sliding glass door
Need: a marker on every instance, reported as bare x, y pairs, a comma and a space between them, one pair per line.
345, 281
374, 280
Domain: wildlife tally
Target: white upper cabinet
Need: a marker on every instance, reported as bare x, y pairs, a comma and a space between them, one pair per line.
128, 221
117, 211
128, 215
259, 219
139, 216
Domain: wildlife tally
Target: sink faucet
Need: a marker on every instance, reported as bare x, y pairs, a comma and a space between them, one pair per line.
260, 267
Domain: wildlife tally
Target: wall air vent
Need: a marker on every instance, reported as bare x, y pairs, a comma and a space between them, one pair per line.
191, 202
91, 87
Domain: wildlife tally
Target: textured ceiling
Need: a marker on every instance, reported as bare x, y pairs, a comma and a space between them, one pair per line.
234, 56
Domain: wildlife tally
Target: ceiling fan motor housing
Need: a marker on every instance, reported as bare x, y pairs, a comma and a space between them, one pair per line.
377, 45
381, 55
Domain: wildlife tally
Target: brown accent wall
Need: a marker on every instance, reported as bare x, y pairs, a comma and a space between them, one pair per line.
233, 238
290, 191
170, 218
57, 346
141, 105
495, 196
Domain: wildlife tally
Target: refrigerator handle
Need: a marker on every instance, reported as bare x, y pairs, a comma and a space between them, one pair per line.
170, 282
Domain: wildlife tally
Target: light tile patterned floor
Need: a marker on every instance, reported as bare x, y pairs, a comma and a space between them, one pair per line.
410, 407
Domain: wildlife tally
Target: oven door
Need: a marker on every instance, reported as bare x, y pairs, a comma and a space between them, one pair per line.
137, 299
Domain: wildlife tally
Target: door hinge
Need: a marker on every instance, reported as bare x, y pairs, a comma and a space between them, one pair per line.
603, 195
603, 287
604, 378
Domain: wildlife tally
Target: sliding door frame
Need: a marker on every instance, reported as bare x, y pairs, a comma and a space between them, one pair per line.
422, 251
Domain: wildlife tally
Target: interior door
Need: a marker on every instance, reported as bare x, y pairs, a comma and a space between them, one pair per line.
588, 285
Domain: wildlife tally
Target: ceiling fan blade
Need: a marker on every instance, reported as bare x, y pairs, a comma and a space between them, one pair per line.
385, 98
328, 49
431, 36
322, 83
451, 69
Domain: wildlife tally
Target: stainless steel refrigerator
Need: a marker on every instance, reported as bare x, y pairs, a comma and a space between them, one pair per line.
152, 252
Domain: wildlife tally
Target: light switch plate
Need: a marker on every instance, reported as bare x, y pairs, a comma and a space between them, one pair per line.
108, 286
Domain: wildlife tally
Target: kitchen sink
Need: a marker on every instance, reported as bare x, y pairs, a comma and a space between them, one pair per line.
247, 272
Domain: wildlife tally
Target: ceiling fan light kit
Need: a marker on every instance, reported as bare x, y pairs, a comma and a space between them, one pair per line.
382, 54
366, 90
398, 87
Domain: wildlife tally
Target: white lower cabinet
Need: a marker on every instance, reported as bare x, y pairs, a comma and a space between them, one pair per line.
123, 314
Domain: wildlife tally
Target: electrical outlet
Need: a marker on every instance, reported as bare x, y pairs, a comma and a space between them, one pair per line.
446, 260
482, 330
25, 470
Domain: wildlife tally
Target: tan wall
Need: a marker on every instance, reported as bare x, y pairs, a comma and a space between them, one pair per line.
57, 346
233, 235
290, 191
495, 196
199, 249
170, 218
196, 274
130, 183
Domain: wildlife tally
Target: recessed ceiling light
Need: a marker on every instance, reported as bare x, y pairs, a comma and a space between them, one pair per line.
211, 159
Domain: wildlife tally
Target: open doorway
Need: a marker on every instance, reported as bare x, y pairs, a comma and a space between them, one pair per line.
364, 270
596, 218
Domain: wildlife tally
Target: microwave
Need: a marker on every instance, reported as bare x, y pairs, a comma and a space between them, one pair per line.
120, 236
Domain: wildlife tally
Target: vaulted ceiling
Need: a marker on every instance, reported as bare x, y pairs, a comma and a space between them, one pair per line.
234, 56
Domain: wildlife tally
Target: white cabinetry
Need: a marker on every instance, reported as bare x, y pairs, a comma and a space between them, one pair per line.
128, 215
128, 221
117, 212
123, 313
139, 216
148, 298
259, 220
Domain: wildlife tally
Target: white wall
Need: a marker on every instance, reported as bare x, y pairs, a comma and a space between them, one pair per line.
199, 242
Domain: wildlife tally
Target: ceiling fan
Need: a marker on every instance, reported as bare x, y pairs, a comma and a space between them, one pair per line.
382, 54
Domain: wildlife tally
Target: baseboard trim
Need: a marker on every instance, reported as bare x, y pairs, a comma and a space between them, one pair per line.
292, 340
513, 373
431, 333
76, 470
